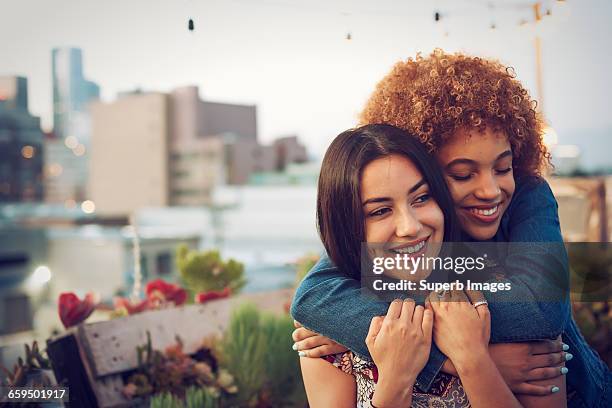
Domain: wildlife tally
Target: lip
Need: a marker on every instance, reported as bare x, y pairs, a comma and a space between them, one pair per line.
411, 244
481, 218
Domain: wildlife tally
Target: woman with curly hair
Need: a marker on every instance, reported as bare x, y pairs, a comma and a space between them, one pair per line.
481, 125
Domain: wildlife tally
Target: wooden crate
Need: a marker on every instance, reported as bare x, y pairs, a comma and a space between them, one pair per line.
91, 358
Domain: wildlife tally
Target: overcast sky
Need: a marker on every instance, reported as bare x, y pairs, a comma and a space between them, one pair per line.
292, 59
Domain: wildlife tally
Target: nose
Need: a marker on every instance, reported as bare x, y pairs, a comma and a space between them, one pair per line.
488, 188
407, 224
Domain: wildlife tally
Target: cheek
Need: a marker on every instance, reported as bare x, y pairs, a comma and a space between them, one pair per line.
434, 219
508, 185
457, 190
376, 231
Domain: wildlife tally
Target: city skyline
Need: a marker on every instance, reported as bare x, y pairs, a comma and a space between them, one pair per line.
295, 63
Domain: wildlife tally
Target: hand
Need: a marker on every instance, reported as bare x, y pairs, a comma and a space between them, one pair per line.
520, 363
313, 345
400, 342
461, 331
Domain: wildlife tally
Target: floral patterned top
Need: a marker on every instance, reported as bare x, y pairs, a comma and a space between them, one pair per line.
445, 392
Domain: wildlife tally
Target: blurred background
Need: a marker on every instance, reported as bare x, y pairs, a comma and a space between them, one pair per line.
147, 124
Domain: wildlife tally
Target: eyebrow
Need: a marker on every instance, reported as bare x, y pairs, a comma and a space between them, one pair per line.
473, 162
383, 199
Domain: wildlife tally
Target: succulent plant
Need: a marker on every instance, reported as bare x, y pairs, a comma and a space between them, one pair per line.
206, 271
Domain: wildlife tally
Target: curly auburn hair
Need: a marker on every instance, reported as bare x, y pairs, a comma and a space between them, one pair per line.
434, 96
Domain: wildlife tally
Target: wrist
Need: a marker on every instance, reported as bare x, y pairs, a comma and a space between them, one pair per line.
470, 362
393, 392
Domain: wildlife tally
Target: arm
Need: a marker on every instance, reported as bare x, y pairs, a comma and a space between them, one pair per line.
326, 385
332, 305
399, 344
462, 331
533, 268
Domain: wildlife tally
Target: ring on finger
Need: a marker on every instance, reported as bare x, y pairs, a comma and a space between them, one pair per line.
480, 303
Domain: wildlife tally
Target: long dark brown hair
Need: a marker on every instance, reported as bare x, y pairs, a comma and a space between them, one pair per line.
340, 216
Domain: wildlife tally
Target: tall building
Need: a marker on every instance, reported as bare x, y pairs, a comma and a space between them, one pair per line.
21, 144
71, 93
129, 154
153, 150
14, 92
288, 150
69, 148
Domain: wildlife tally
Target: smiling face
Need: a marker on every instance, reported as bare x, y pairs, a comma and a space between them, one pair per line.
399, 212
478, 170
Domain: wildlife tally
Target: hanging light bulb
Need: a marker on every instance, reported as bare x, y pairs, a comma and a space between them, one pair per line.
191, 25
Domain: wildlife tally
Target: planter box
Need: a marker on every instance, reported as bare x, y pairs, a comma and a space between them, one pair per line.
92, 358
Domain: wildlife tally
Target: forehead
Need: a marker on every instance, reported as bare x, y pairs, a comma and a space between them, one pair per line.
389, 173
474, 145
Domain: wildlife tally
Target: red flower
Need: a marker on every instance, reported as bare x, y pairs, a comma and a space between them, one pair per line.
163, 291
73, 310
132, 308
204, 297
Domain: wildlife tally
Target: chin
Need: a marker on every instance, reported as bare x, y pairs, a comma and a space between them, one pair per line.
482, 234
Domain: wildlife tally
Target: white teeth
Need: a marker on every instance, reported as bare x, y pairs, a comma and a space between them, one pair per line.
488, 211
410, 250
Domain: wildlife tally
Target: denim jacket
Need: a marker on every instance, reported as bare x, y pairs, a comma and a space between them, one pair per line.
331, 304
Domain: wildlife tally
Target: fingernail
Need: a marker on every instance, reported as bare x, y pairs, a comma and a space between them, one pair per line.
564, 370
295, 346
568, 356
302, 354
554, 389
565, 347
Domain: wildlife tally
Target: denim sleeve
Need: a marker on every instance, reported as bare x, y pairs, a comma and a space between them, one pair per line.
532, 267
331, 304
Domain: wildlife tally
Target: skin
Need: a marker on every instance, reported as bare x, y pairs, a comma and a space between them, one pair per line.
398, 212
462, 333
479, 176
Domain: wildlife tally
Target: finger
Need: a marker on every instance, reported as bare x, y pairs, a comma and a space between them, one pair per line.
444, 295
407, 310
395, 310
311, 343
532, 389
302, 333
433, 301
427, 324
546, 373
325, 350
374, 329
546, 346
547, 360
417, 317
458, 296
475, 296
296, 324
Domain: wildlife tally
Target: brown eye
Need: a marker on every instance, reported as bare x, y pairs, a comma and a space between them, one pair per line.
379, 212
458, 177
422, 199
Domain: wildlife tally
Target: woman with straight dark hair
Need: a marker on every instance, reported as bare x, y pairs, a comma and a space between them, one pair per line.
339, 209
379, 185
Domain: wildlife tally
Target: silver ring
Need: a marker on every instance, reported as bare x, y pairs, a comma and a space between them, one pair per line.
480, 303
441, 293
